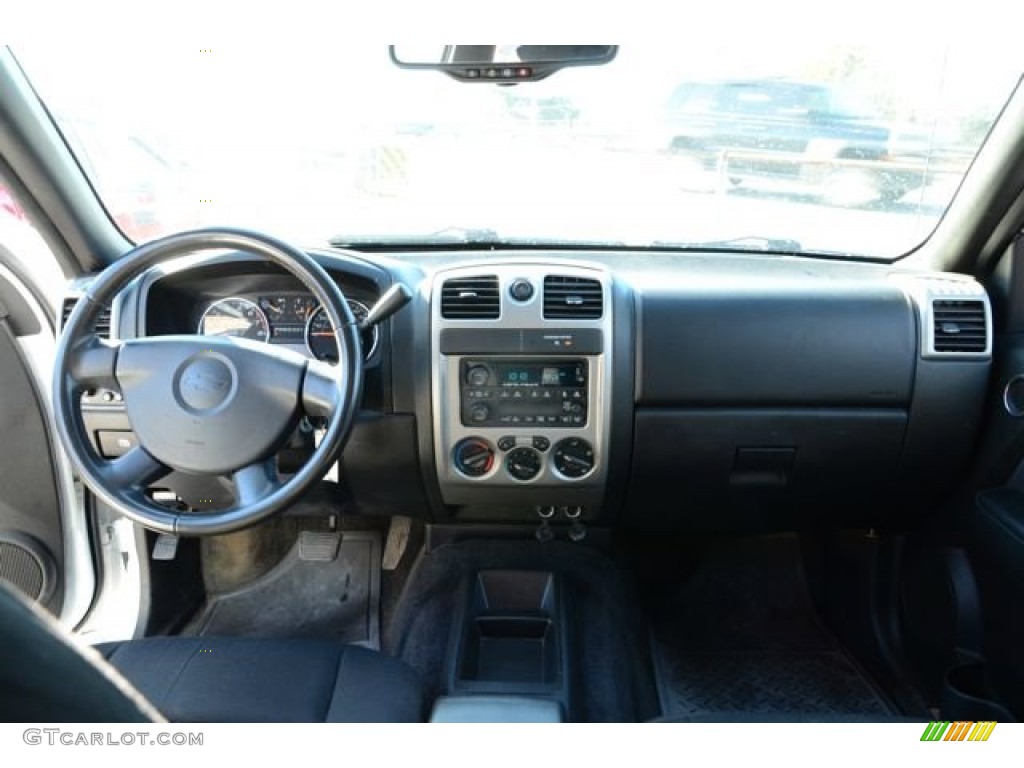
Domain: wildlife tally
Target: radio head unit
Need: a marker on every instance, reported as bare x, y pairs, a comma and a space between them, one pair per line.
521, 392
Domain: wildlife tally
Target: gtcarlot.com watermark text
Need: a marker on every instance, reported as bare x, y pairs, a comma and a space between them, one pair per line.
61, 737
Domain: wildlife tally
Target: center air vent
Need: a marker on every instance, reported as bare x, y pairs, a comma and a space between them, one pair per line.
572, 298
102, 327
959, 326
470, 298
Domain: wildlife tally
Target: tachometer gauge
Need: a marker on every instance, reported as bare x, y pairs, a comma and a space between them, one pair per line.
235, 317
322, 341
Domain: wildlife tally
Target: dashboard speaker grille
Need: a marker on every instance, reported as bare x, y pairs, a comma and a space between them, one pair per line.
102, 327
471, 298
572, 298
959, 326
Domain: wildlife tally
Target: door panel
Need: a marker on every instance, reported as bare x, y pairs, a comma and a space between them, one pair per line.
31, 533
992, 514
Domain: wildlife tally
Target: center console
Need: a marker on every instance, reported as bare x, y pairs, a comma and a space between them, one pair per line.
521, 399
510, 653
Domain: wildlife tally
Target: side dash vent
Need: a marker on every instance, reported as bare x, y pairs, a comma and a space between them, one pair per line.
959, 326
102, 327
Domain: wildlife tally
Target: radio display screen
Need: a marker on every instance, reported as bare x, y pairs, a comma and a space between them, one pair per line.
518, 375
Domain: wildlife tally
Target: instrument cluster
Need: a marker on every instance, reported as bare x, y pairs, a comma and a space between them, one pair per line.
283, 318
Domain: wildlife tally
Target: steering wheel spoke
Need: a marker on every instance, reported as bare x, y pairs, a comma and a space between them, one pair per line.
135, 469
321, 389
92, 362
255, 482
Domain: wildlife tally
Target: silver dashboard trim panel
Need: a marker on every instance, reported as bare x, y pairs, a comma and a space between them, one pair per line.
448, 430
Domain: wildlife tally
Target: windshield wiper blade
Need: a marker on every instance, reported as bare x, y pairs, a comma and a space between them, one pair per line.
753, 243
459, 236
446, 236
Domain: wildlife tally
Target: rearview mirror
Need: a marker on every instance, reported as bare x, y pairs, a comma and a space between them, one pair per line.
500, 63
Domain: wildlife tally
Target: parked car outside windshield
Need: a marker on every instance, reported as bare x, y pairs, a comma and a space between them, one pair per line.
836, 149
812, 138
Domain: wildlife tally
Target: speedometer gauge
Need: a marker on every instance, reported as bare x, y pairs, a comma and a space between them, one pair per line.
235, 317
322, 341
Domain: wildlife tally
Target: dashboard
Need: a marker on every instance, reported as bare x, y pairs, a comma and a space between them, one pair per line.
669, 391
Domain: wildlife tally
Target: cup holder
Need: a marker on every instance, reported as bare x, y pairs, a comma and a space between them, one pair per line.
512, 650
511, 635
967, 694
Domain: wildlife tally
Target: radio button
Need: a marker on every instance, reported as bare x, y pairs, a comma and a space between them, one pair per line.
479, 412
477, 375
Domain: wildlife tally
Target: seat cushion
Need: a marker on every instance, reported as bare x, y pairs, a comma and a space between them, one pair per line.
237, 679
47, 677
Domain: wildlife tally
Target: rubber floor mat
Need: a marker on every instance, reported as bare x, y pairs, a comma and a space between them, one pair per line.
338, 597
737, 634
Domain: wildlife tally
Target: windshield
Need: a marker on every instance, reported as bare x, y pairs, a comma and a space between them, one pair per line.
820, 148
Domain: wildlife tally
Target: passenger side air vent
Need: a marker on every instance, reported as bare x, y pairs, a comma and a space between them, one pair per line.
572, 298
959, 326
102, 327
470, 298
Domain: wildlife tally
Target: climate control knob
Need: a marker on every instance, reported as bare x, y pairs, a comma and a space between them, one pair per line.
473, 456
573, 457
523, 463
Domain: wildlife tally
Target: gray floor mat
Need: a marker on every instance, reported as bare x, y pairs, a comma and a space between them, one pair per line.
739, 634
306, 598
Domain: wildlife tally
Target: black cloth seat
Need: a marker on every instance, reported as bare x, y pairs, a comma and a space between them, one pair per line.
45, 676
241, 679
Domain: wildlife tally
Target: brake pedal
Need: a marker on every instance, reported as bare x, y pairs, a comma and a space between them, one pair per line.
318, 546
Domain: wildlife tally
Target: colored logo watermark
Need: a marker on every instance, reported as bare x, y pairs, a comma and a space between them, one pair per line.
959, 730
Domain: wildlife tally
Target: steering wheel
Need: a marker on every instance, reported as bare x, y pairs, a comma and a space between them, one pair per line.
205, 405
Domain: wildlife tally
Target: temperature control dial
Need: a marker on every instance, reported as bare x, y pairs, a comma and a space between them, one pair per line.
573, 457
523, 463
473, 456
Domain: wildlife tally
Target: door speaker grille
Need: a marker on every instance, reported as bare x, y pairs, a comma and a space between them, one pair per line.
27, 566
